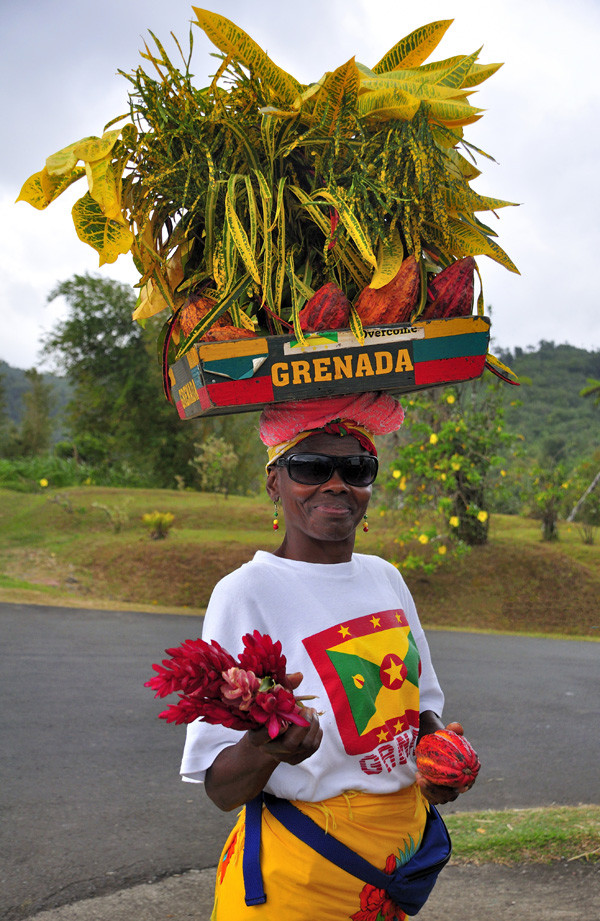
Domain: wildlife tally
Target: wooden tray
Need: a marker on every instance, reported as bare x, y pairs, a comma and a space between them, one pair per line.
215, 378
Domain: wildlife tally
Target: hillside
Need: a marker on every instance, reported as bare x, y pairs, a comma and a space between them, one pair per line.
548, 401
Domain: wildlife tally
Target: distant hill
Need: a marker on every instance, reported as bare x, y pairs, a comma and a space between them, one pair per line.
14, 385
551, 410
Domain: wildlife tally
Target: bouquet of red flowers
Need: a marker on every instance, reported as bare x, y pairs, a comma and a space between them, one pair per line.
213, 687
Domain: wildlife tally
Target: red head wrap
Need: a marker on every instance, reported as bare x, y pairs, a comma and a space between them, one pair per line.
363, 415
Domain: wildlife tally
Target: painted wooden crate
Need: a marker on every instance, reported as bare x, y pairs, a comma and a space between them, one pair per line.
215, 378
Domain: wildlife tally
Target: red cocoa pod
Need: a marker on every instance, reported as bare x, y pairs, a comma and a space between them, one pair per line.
395, 302
225, 333
195, 309
450, 292
328, 308
446, 758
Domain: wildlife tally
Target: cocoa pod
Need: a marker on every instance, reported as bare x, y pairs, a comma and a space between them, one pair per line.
195, 309
394, 302
328, 308
224, 333
450, 292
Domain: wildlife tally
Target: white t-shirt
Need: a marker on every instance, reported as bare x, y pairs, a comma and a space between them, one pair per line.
353, 631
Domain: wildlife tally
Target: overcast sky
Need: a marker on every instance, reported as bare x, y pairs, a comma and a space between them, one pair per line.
58, 70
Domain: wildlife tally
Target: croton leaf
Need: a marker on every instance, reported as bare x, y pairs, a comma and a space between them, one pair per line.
415, 48
110, 238
232, 40
42, 188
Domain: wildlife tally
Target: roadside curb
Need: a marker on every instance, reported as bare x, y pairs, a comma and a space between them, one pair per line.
562, 891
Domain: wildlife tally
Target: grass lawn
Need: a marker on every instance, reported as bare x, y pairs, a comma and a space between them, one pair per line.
88, 546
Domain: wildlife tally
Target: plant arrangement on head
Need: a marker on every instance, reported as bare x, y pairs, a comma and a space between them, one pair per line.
241, 201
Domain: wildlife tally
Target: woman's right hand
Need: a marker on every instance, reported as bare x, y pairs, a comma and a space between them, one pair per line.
295, 744
241, 771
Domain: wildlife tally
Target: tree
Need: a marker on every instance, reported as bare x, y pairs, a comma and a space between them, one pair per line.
36, 427
450, 445
216, 464
118, 411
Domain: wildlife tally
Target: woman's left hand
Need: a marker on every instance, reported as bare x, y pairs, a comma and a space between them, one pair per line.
438, 794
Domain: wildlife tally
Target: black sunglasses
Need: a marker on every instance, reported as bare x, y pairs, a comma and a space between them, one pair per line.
316, 469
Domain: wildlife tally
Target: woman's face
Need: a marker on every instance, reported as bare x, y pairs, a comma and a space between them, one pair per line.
320, 521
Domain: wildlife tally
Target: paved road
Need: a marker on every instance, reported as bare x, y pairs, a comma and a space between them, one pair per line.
92, 800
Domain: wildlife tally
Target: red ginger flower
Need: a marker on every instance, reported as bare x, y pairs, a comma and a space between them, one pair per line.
195, 667
240, 686
276, 708
264, 657
213, 688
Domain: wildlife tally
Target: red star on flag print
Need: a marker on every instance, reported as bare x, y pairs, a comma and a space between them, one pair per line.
370, 668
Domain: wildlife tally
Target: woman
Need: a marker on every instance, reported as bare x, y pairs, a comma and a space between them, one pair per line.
351, 635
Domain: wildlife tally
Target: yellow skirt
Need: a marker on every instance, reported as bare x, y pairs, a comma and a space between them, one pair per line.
300, 885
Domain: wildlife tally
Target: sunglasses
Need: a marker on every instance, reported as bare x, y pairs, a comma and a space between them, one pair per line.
316, 469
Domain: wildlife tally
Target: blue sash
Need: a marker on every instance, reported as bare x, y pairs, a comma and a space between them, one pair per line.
409, 886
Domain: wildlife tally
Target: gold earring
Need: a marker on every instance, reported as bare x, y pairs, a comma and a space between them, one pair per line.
275, 516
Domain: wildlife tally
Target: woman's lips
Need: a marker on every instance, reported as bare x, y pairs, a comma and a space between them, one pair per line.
331, 509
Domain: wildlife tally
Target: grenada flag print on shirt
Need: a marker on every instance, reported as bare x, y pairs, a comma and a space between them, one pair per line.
370, 668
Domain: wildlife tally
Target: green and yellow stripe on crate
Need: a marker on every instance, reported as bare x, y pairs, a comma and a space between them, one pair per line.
216, 378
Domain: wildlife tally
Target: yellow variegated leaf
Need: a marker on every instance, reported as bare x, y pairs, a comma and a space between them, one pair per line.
352, 225
105, 187
500, 366
230, 258
293, 280
251, 211
240, 318
422, 89
480, 300
479, 73
87, 149
467, 241
213, 314
355, 324
64, 161
235, 42
42, 188
108, 237
455, 78
454, 113
339, 89
387, 104
415, 48
150, 302
364, 70
281, 248
312, 90
459, 199
389, 260
92, 148
460, 166
240, 238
